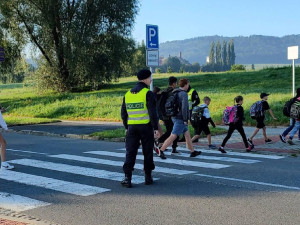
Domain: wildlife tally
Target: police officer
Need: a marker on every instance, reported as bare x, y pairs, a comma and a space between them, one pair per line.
141, 123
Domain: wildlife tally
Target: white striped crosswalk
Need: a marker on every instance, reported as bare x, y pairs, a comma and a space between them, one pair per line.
82, 165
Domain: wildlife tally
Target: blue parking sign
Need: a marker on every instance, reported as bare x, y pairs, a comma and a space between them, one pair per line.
152, 37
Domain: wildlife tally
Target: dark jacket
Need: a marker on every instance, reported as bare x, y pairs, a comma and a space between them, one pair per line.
151, 106
240, 115
195, 97
184, 111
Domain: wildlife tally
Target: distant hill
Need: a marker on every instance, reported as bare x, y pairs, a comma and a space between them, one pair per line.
256, 49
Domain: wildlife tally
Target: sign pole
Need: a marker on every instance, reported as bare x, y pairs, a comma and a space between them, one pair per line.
151, 85
293, 77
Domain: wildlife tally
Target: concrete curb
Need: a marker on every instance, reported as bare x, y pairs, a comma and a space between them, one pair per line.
11, 217
72, 136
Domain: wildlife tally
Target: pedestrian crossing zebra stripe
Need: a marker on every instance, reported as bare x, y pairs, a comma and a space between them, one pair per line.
19, 203
244, 154
103, 174
53, 184
215, 158
120, 164
167, 161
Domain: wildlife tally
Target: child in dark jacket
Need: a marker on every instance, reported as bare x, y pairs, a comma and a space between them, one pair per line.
238, 125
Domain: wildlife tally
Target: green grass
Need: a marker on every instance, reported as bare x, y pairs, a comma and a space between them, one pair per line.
105, 104
13, 120
120, 133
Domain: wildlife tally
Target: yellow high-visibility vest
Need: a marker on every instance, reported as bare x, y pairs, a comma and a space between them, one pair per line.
190, 98
136, 107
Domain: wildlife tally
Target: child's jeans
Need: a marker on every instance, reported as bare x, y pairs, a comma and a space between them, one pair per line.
295, 129
287, 130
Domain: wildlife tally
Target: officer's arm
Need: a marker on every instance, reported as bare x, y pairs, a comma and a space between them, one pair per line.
124, 114
151, 106
195, 99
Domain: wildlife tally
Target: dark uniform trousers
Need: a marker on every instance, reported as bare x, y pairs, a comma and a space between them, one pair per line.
135, 134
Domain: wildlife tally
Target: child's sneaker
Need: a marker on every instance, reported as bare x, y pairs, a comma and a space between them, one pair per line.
6, 166
250, 142
221, 149
249, 148
195, 153
290, 141
162, 155
212, 146
282, 138
156, 148
268, 141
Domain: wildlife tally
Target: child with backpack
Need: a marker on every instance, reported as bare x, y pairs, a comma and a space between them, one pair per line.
236, 123
295, 114
200, 119
257, 111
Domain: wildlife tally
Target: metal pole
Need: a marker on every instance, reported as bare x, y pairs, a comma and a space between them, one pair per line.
151, 85
293, 78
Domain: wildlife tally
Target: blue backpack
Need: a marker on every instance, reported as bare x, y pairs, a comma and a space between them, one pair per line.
256, 110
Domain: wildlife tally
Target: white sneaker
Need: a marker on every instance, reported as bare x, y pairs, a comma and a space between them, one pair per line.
6, 166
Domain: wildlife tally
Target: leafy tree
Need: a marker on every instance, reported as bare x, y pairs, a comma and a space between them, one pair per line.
218, 57
232, 53
82, 42
174, 63
224, 56
212, 53
169, 70
252, 67
238, 67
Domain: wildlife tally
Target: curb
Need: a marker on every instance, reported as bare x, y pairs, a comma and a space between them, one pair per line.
71, 136
8, 217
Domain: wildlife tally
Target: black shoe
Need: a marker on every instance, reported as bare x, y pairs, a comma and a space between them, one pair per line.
221, 149
148, 179
162, 155
282, 138
195, 153
195, 141
126, 182
175, 152
250, 142
268, 141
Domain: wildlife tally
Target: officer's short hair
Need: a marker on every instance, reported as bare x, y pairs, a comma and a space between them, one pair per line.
172, 80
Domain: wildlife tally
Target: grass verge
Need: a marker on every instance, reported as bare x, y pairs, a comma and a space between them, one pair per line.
16, 121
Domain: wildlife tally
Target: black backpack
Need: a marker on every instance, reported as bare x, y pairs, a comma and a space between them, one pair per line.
295, 110
197, 114
172, 105
287, 107
161, 104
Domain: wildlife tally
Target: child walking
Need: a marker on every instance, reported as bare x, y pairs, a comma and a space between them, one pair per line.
297, 123
260, 119
202, 126
4, 165
238, 125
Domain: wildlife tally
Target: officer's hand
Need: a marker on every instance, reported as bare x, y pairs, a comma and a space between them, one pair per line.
185, 123
126, 131
156, 134
274, 118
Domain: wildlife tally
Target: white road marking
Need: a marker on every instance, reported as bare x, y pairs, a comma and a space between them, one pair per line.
245, 154
120, 164
50, 183
14, 150
19, 203
250, 181
167, 161
216, 158
103, 174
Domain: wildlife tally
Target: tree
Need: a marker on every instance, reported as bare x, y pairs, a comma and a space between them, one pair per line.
252, 67
212, 53
174, 63
224, 56
82, 42
218, 57
232, 53
169, 70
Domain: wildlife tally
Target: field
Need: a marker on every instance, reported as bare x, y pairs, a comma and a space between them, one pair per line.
26, 104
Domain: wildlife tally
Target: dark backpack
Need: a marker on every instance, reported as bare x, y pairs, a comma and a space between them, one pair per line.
161, 105
295, 110
287, 107
197, 114
172, 105
256, 110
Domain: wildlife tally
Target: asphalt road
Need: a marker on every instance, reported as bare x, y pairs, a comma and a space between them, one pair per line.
77, 182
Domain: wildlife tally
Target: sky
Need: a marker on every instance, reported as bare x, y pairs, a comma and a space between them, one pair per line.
184, 19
